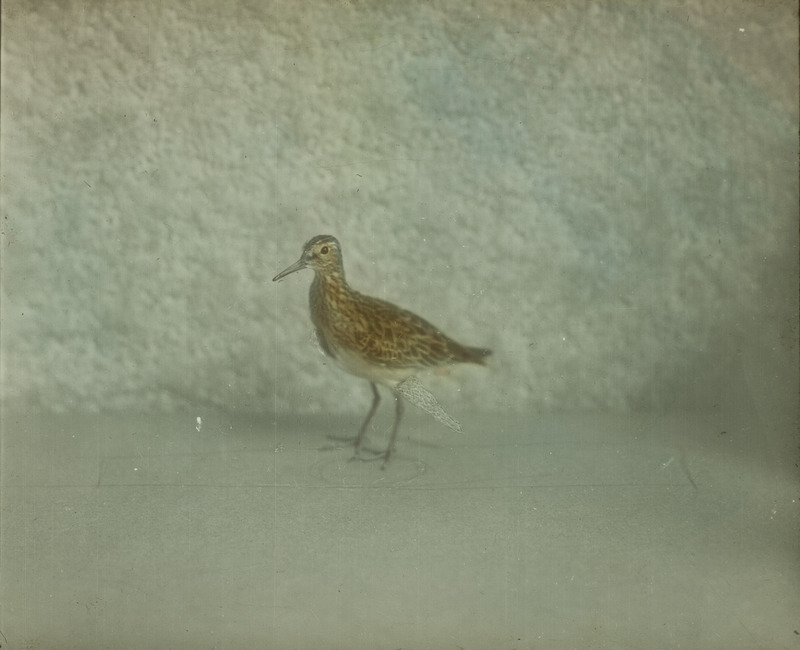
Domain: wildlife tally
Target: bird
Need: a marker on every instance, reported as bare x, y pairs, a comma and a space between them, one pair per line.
371, 338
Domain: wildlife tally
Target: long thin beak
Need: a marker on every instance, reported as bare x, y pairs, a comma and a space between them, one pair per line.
299, 265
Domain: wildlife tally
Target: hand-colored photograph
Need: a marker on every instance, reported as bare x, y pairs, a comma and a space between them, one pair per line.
416, 325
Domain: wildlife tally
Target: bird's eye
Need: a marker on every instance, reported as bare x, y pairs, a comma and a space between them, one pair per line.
324, 250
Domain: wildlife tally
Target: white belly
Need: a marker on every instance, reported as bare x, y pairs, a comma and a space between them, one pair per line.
358, 366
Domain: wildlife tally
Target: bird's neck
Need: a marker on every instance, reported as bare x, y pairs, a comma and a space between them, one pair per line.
330, 275
328, 286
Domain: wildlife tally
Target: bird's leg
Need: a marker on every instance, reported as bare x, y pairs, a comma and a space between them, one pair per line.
398, 414
376, 399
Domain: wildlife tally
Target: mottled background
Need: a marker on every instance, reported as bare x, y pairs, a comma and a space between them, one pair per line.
605, 194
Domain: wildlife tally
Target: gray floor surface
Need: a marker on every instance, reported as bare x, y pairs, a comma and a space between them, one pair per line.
556, 531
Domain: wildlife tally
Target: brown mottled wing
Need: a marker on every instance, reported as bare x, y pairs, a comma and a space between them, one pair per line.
398, 338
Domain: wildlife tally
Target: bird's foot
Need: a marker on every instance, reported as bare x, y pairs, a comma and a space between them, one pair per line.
376, 455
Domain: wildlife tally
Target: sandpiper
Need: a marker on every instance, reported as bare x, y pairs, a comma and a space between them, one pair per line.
369, 337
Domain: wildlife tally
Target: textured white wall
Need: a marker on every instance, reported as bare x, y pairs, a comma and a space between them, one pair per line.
606, 195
